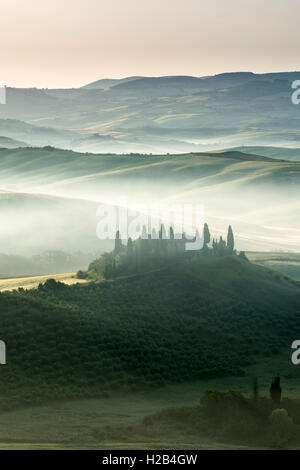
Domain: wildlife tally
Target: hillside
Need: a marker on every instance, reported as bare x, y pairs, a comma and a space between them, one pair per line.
28, 165
280, 153
158, 114
107, 83
266, 220
37, 223
48, 262
7, 142
197, 320
286, 263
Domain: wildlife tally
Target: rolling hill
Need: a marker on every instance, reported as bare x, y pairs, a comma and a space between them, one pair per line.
7, 142
107, 83
37, 223
197, 320
160, 114
75, 168
281, 153
260, 194
286, 263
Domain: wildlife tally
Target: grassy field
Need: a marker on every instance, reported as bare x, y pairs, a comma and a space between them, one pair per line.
286, 263
75, 424
115, 422
87, 365
31, 282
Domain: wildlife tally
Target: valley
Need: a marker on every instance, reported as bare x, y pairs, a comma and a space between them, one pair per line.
119, 343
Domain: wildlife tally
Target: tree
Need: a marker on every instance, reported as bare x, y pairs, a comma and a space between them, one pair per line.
243, 256
118, 242
162, 232
129, 248
162, 240
275, 390
230, 239
221, 247
206, 234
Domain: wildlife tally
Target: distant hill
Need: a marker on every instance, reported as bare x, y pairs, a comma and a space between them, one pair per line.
280, 153
249, 187
106, 84
35, 223
20, 133
170, 114
286, 263
196, 320
67, 139
160, 83
9, 143
242, 155
47, 262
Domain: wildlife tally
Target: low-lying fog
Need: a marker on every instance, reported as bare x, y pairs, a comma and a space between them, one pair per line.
65, 219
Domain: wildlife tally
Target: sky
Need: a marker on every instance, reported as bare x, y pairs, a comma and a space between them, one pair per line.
69, 43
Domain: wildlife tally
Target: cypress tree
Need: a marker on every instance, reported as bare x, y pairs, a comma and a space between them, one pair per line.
206, 234
275, 391
118, 242
230, 239
221, 247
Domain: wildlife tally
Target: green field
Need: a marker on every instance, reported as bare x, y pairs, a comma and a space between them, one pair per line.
286, 263
138, 333
122, 364
116, 421
32, 282
75, 424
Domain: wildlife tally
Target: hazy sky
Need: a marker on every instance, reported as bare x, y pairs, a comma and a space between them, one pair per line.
68, 43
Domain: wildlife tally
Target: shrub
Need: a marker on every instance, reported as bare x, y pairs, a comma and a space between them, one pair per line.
282, 427
230, 415
82, 274
220, 405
